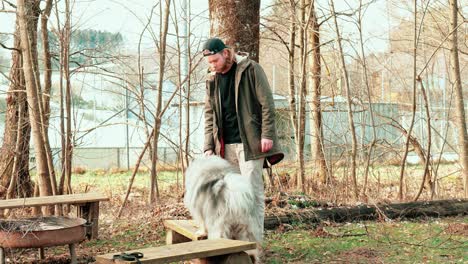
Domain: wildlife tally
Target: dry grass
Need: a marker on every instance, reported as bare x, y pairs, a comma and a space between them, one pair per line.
141, 223
382, 184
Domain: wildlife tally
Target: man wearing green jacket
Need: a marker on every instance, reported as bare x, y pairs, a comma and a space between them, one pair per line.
240, 115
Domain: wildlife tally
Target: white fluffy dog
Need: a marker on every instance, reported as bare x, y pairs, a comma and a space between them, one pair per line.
220, 200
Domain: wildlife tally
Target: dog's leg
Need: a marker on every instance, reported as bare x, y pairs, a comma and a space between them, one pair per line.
202, 230
255, 254
215, 233
216, 230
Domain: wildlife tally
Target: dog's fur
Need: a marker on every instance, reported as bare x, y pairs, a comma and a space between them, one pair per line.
220, 200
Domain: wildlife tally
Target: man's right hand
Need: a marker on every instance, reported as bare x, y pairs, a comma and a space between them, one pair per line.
209, 152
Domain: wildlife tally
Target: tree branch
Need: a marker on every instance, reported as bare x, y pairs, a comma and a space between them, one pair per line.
8, 48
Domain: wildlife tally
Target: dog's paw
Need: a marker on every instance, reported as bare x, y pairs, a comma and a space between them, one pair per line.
201, 233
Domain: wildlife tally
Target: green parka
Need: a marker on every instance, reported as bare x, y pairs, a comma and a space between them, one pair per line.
255, 112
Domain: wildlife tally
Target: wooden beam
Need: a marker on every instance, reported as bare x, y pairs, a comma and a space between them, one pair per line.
80, 198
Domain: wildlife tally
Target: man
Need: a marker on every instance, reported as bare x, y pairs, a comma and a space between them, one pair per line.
240, 116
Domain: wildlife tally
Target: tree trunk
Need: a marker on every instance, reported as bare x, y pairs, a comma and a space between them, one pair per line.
14, 153
182, 49
301, 182
47, 62
439, 208
65, 104
28, 12
63, 153
45, 96
68, 104
460, 116
154, 190
316, 110
427, 178
291, 75
237, 22
413, 114
369, 99
188, 87
349, 106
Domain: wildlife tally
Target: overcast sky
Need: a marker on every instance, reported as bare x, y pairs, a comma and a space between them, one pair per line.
129, 17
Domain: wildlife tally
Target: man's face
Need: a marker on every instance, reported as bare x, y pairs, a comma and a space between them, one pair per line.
217, 62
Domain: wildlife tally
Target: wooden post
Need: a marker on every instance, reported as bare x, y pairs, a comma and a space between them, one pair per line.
2, 255
90, 212
72, 253
172, 237
41, 253
94, 217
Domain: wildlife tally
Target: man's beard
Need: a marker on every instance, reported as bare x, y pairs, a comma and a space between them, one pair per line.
227, 65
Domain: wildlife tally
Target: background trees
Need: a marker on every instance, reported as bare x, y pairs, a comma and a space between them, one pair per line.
343, 109
379, 85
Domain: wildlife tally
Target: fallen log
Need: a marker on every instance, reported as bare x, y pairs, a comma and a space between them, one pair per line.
438, 208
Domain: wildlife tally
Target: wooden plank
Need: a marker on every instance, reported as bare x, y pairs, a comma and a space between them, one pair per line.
187, 228
79, 198
184, 251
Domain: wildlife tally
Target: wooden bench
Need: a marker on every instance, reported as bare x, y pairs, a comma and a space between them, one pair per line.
87, 206
222, 250
181, 231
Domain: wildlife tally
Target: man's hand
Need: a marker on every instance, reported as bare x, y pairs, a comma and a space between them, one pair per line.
267, 144
208, 153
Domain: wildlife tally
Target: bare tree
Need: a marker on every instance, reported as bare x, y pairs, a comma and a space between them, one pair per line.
426, 180
44, 94
188, 61
65, 107
14, 154
180, 69
28, 17
459, 101
291, 73
302, 93
405, 154
352, 129
28, 21
154, 190
317, 151
369, 99
47, 62
183, 55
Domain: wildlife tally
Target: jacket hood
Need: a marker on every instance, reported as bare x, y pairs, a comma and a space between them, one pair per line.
242, 62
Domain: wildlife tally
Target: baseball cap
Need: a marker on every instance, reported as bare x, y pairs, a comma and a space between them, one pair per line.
213, 46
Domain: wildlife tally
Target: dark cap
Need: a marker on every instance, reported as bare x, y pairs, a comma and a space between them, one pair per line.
213, 46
